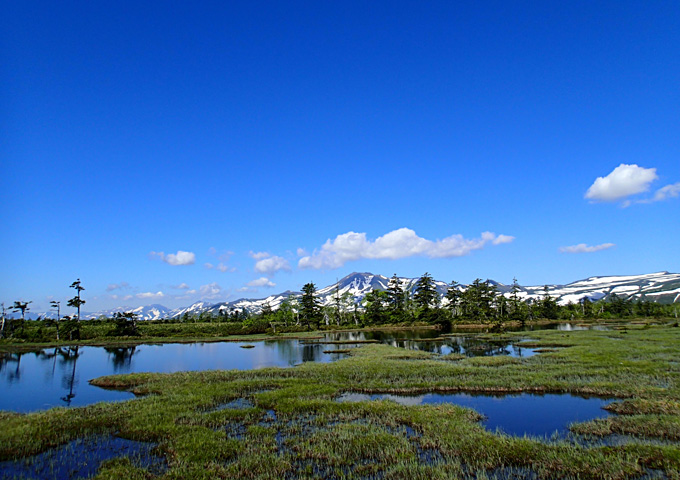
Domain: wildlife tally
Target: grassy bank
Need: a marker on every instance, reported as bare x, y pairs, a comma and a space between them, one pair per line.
285, 423
96, 333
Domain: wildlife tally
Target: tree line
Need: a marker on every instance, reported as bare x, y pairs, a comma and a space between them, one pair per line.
401, 303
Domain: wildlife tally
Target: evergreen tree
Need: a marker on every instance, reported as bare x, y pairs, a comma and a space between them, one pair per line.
425, 296
395, 293
310, 307
267, 311
517, 314
337, 303
76, 302
478, 301
125, 324
548, 306
375, 302
23, 308
453, 296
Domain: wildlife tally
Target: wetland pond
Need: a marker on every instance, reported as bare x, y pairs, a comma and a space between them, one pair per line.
546, 416
59, 376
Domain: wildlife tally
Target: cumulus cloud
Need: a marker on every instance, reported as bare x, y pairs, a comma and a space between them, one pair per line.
623, 181
268, 263
179, 258
147, 295
400, 243
181, 286
583, 248
664, 193
210, 291
261, 282
272, 265
117, 286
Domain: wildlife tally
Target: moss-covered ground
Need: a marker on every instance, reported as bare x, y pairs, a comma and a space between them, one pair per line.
285, 423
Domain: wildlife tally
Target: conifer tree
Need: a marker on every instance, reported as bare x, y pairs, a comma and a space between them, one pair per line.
396, 294
310, 308
425, 295
453, 296
76, 302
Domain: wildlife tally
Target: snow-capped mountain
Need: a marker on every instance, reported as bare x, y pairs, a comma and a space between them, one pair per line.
147, 312
662, 287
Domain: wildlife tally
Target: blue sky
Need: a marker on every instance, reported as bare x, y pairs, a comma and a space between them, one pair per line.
168, 152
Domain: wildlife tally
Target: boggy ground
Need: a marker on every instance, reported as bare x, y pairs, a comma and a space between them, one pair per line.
285, 423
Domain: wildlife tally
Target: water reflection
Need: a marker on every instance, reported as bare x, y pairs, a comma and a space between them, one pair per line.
431, 341
121, 358
519, 414
69, 357
57, 377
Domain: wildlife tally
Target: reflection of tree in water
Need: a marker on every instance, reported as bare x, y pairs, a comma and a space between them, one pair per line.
478, 348
14, 371
69, 357
47, 356
287, 350
311, 353
121, 357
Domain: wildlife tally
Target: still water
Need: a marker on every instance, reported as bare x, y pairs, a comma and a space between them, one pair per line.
524, 414
59, 376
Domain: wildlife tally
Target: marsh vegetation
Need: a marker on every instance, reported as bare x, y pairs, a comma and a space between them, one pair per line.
287, 423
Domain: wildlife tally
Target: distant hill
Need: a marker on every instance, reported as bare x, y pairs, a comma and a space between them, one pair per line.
662, 287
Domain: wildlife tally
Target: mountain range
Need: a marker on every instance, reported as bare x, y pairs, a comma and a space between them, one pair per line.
662, 287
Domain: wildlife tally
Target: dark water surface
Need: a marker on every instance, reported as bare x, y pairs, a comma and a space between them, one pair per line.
524, 414
82, 457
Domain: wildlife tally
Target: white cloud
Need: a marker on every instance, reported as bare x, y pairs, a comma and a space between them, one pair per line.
209, 291
147, 295
261, 282
269, 264
400, 243
501, 239
664, 193
181, 286
301, 252
179, 258
220, 266
623, 181
117, 286
583, 248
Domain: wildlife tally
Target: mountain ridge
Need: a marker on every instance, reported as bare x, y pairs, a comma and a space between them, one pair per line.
662, 287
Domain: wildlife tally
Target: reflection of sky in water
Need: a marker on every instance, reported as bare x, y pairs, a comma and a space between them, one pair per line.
59, 377
523, 414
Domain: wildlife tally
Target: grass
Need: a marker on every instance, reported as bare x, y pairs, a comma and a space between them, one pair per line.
285, 423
